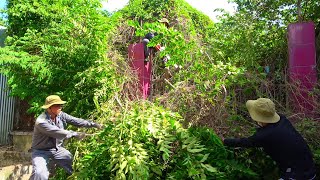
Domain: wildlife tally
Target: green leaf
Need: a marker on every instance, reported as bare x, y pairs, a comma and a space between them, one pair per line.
156, 170
205, 157
209, 168
192, 172
123, 165
195, 150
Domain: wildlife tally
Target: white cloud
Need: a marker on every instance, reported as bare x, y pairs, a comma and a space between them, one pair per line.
208, 6
205, 6
114, 5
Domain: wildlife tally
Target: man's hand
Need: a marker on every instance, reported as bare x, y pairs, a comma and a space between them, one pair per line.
166, 58
98, 126
162, 49
79, 135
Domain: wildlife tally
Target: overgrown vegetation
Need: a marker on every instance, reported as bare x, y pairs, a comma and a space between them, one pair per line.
80, 52
146, 141
61, 49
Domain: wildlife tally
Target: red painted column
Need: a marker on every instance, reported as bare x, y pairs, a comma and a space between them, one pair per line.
141, 68
302, 66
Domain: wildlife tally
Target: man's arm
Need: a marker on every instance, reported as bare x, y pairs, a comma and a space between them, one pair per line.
252, 141
77, 121
53, 131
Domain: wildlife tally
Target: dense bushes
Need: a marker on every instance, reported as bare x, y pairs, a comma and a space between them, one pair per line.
79, 52
145, 141
58, 48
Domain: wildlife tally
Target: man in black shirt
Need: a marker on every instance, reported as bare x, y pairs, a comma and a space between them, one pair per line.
280, 141
147, 38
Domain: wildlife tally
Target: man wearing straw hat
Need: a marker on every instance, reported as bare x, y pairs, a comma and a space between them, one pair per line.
48, 136
280, 141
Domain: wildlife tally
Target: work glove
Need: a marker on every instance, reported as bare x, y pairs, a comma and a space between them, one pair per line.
79, 135
96, 125
162, 49
166, 58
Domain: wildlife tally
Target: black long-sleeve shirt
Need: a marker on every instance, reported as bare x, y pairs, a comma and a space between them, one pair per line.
283, 144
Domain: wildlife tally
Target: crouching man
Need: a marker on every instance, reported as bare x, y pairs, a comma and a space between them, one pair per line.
280, 140
48, 136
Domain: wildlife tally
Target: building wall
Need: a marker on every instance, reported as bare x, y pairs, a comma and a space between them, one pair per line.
7, 111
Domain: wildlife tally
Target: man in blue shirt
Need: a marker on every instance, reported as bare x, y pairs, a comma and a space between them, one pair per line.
280, 140
48, 135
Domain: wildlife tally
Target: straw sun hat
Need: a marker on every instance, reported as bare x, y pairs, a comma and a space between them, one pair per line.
262, 110
164, 20
52, 100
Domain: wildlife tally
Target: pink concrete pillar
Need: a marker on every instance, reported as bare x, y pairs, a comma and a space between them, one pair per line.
141, 68
302, 66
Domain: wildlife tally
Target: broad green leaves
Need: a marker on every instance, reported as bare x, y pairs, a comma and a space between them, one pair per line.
73, 49
146, 141
67, 42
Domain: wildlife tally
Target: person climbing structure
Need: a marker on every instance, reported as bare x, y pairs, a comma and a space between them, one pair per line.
147, 38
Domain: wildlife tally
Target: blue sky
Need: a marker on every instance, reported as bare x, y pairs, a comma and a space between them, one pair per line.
2, 3
206, 6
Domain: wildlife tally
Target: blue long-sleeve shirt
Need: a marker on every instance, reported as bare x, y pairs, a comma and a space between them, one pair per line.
48, 135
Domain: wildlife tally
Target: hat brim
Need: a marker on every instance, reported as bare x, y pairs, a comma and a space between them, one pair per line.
256, 117
49, 105
162, 21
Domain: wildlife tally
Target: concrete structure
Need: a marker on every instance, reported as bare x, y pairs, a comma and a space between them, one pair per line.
21, 140
141, 68
16, 172
302, 66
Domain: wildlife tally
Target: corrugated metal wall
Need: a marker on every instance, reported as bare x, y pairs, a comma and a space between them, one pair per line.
6, 102
6, 111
